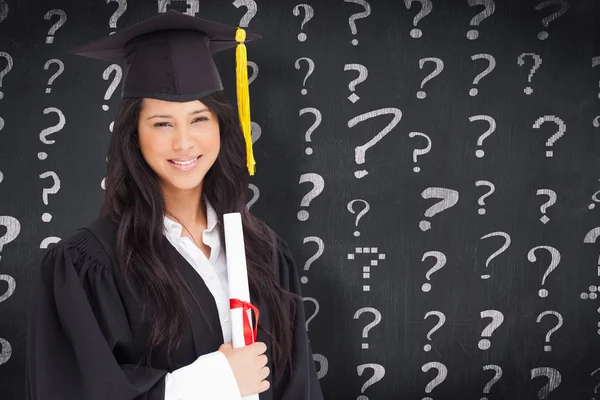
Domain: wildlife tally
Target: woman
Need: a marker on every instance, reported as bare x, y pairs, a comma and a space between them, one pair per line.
136, 305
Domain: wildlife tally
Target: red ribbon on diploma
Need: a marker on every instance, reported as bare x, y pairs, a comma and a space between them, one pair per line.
249, 338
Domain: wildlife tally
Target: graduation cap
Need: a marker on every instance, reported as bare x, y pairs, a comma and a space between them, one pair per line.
169, 57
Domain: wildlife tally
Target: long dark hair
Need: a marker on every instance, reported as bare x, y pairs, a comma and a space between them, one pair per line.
134, 199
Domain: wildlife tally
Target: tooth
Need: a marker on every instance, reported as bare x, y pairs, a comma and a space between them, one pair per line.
184, 162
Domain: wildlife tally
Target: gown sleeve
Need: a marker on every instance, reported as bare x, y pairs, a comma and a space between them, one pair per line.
76, 325
209, 377
303, 384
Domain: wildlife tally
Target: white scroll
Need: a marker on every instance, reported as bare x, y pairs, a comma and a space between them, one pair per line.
237, 275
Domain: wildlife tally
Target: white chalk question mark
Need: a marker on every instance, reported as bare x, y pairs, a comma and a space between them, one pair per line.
420, 152
553, 264
481, 201
321, 248
359, 151
543, 35
311, 68
491, 65
309, 12
318, 186
62, 18
115, 82
377, 320
363, 73
440, 323
554, 379
112, 22
378, 374
497, 320
356, 16
47, 217
13, 228
537, 63
439, 67
60, 69
495, 379
372, 251
52, 129
449, 199
490, 7
426, 8
507, 241
562, 128
439, 264
440, 377
552, 199
3, 73
559, 317
360, 214
492, 128
252, 10
317, 307
315, 125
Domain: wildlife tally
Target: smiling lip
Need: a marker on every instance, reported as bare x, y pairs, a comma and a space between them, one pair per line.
185, 167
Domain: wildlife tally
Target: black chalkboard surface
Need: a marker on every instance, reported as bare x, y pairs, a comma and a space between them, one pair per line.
433, 166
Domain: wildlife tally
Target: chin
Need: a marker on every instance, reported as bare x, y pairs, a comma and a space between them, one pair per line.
185, 184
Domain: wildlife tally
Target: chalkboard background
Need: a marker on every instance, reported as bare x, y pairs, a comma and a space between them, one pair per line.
499, 119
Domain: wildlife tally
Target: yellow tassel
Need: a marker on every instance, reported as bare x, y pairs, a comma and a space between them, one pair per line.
243, 97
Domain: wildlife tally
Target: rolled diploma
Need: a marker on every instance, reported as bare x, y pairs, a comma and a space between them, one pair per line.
237, 276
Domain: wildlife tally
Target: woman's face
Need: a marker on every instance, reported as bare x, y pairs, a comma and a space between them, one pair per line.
172, 133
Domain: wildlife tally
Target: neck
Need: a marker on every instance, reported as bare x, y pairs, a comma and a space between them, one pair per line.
186, 207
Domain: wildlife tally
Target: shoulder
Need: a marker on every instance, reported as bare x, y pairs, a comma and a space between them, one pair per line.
92, 245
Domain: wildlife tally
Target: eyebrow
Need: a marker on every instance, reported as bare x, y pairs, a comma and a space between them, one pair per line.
170, 116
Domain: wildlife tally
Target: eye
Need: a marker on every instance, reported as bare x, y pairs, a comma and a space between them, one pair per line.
162, 124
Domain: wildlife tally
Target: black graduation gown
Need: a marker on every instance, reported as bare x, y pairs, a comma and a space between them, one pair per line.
85, 338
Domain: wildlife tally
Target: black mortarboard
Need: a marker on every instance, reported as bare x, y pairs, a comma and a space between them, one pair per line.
169, 57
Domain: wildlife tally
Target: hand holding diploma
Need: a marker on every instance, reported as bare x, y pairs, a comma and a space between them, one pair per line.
246, 356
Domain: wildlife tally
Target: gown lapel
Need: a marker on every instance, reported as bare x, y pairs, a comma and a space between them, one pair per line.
207, 334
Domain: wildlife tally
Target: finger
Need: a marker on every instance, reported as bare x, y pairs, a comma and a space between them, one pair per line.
262, 360
260, 347
263, 386
264, 372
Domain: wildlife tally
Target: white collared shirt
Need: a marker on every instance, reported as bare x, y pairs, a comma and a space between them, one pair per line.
210, 376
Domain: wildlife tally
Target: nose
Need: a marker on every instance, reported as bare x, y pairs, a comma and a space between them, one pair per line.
182, 139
